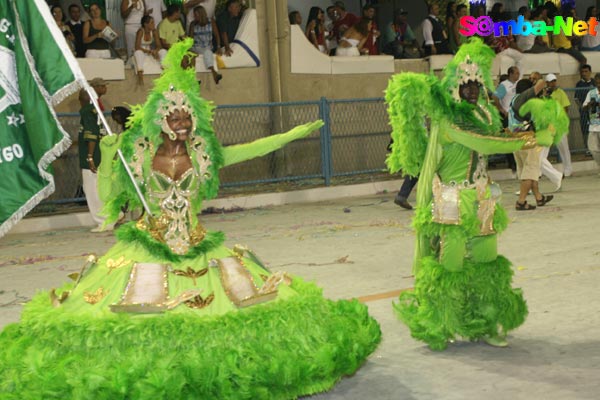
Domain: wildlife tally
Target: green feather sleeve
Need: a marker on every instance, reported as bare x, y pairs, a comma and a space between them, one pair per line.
550, 119
409, 100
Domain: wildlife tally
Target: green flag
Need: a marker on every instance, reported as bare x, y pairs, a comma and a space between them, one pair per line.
37, 70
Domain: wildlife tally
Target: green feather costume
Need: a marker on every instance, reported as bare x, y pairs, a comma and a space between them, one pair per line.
462, 287
195, 330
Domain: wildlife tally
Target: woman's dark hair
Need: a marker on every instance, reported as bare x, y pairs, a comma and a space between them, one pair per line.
523, 10
292, 17
54, 8
588, 13
122, 113
172, 9
449, 12
367, 7
495, 13
146, 19
362, 27
552, 9
313, 14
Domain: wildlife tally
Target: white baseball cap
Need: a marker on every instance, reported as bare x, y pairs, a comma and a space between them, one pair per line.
550, 77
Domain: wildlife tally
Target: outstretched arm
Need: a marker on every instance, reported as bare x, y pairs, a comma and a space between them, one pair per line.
247, 151
485, 144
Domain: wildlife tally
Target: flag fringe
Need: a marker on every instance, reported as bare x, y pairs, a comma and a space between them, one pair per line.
26, 208
65, 92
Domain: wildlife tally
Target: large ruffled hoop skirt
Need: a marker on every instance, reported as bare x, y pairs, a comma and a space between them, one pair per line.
207, 348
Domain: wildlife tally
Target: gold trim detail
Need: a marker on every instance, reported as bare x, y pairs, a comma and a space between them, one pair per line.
198, 302
95, 297
113, 264
190, 273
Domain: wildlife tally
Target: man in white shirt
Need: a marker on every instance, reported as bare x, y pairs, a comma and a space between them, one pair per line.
436, 38
503, 96
505, 92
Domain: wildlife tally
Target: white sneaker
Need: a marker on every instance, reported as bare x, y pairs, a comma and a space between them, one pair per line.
518, 193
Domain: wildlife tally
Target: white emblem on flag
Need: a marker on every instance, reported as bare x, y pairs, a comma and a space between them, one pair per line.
8, 79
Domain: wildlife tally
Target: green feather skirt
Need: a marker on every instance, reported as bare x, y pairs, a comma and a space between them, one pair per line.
297, 344
474, 302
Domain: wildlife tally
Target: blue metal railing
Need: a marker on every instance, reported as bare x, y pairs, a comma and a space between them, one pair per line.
352, 141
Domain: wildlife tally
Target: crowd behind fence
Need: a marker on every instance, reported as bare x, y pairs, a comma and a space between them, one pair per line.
354, 140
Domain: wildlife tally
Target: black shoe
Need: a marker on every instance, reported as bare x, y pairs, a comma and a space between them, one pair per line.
401, 201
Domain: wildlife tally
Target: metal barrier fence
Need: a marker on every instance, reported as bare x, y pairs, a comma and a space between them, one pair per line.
353, 141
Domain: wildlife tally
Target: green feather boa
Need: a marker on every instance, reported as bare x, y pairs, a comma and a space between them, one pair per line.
129, 233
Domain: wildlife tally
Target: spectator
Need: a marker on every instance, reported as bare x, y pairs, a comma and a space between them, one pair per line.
534, 44
590, 42
132, 12
583, 87
451, 15
295, 18
64, 28
147, 43
315, 29
503, 96
120, 115
170, 29
399, 39
435, 36
93, 34
525, 12
497, 12
353, 41
90, 133
76, 26
591, 104
556, 93
401, 198
505, 44
156, 9
344, 20
228, 23
528, 161
330, 38
372, 44
563, 44
190, 5
100, 87
456, 39
202, 30
478, 11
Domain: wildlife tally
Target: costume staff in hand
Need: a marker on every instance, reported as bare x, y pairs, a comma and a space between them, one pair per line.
443, 131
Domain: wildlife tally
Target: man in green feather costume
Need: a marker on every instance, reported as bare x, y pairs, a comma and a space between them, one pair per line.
462, 286
169, 312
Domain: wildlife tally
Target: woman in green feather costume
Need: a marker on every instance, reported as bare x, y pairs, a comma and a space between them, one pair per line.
169, 312
443, 131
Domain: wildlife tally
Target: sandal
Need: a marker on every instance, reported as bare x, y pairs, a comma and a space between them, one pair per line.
544, 200
524, 206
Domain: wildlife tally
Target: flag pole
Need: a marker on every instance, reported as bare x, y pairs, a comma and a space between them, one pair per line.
76, 69
94, 100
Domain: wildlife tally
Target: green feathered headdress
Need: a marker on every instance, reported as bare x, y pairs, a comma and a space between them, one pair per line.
412, 98
473, 61
145, 123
